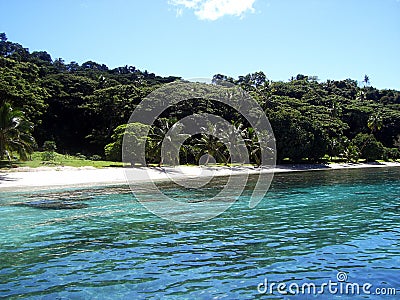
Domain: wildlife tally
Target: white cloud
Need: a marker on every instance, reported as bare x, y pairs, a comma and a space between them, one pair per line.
179, 12
185, 3
214, 9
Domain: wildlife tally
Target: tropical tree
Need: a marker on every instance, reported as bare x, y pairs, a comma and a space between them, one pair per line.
15, 133
370, 148
375, 122
232, 138
253, 145
334, 130
135, 138
211, 145
366, 80
158, 137
360, 95
396, 142
351, 153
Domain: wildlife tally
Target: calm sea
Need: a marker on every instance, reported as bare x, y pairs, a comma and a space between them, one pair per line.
312, 228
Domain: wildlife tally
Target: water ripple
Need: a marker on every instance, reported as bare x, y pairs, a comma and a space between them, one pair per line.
309, 227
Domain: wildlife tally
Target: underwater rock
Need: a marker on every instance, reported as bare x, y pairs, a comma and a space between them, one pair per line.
52, 204
79, 195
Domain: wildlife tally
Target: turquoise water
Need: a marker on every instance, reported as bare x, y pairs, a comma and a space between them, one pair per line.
310, 226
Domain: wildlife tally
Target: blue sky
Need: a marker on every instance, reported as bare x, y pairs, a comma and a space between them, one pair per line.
332, 39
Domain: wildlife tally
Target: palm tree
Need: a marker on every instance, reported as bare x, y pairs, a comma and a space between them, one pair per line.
211, 145
362, 92
231, 137
375, 122
159, 138
253, 145
366, 80
186, 149
15, 133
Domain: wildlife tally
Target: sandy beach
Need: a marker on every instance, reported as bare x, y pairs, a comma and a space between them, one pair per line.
56, 177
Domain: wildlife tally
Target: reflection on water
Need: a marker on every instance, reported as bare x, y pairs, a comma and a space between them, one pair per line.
310, 226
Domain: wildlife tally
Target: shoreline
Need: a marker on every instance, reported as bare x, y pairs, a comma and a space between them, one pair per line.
25, 179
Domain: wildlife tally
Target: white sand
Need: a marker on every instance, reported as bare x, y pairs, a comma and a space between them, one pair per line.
52, 177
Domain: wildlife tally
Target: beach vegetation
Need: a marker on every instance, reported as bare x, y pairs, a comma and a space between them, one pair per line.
82, 108
15, 133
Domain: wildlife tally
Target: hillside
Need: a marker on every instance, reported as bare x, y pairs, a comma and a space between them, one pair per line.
80, 106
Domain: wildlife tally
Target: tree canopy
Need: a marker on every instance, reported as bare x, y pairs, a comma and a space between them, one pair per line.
81, 107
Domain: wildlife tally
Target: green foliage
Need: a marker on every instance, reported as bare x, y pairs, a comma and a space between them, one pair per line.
64, 160
370, 148
81, 108
210, 145
20, 85
298, 137
351, 153
375, 122
49, 146
15, 133
48, 156
136, 137
80, 156
396, 142
95, 157
391, 154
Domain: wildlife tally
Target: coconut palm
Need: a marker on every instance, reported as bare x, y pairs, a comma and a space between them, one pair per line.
15, 133
232, 138
159, 137
375, 122
211, 145
156, 139
366, 80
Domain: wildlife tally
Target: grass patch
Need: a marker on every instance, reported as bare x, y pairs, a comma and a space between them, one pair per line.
60, 160
81, 161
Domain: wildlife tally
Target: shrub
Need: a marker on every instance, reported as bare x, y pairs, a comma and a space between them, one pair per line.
48, 156
391, 153
95, 157
135, 135
80, 156
113, 151
352, 153
49, 146
370, 148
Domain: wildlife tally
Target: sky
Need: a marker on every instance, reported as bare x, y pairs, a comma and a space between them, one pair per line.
331, 39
